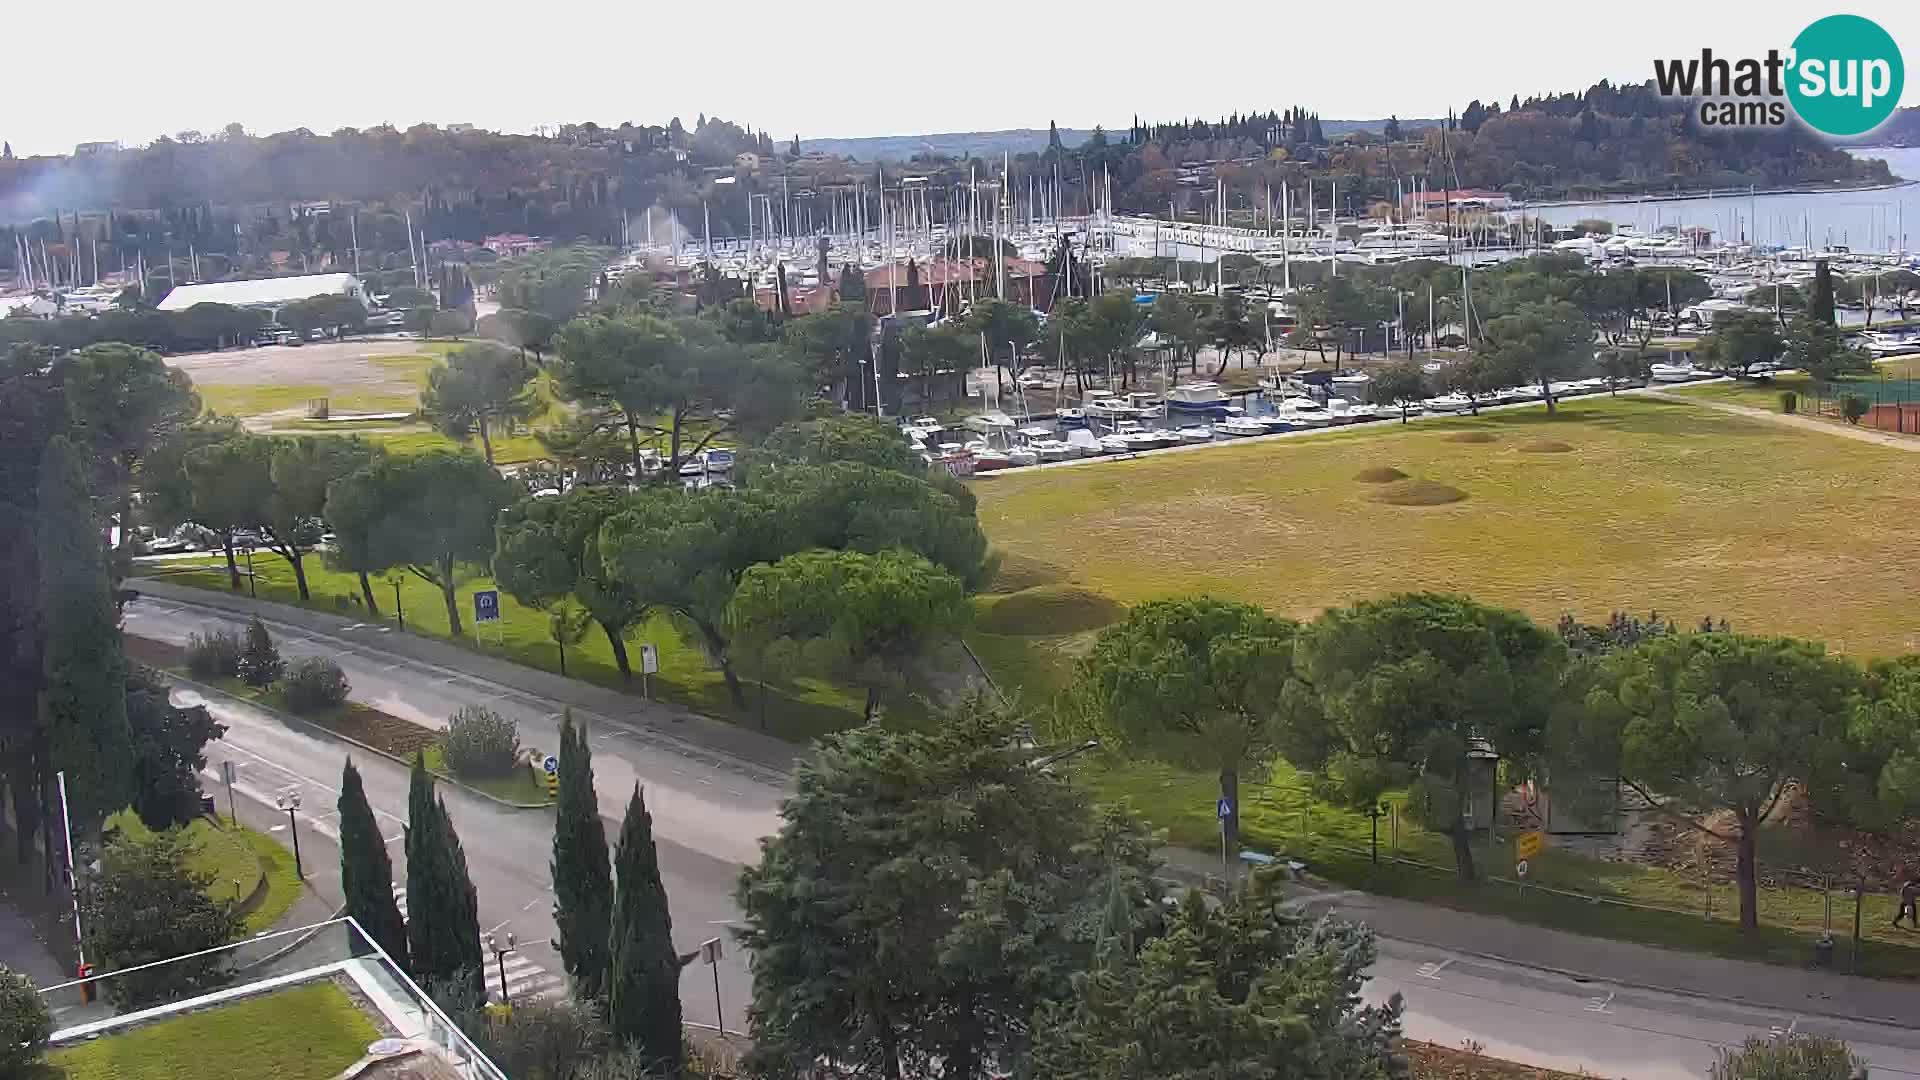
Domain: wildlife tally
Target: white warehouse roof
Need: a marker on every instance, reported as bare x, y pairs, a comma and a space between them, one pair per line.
264, 292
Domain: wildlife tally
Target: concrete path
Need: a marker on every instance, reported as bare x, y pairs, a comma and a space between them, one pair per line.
1804, 423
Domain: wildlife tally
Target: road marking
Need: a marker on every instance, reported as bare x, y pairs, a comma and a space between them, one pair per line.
1599, 1005
396, 836
496, 928
1432, 971
1781, 1032
530, 903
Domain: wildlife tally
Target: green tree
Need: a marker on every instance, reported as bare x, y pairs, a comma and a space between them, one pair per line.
366, 873
406, 298
1228, 329
443, 911
1543, 342
926, 892
847, 437
82, 685
122, 402
1194, 681
936, 357
25, 1022
582, 877
865, 617
1623, 366
1716, 722
547, 550
1399, 385
480, 386
1178, 323
420, 319
450, 323
1820, 306
300, 470
567, 626
260, 663
1006, 326
1414, 689
1741, 340
169, 750
643, 971
1853, 407
1477, 375
230, 485
145, 905
1246, 989
1798, 1056
1817, 348
431, 514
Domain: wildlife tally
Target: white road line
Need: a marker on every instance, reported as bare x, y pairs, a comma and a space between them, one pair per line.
532, 902
1432, 971
1599, 1005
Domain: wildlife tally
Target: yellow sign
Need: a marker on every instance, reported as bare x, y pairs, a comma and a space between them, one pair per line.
1529, 844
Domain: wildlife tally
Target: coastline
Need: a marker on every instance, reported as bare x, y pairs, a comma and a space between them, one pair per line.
1729, 193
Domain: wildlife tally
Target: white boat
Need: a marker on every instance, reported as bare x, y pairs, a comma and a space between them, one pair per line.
1115, 444
1196, 434
1671, 373
1283, 420
1448, 403
1352, 381
1349, 412
1404, 241
987, 459
1307, 412
1241, 426
1108, 408
1082, 442
1196, 397
1051, 449
1022, 455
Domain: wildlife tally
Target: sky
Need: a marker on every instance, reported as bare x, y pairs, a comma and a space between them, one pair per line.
803, 69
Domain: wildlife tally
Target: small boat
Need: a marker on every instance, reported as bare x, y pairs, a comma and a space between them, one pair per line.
1196, 434
1670, 373
1196, 397
719, 459
988, 459
1276, 422
1072, 418
1307, 412
1348, 412
1083, 443
1022, 455
1352, 380
1051, 449
1241, 426
1448, 403
1115, 444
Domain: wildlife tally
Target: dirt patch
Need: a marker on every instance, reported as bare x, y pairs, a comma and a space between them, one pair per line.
155, 654
1430, 1061
1473, 437
1545, 446
380, 730
1019, 572
1049, 611
1379, 474
1416, 492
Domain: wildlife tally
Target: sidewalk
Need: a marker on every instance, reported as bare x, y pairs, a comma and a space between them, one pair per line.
661, 718
1794, 990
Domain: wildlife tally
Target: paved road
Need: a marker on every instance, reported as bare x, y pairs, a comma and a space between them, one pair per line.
711, 810
707, 817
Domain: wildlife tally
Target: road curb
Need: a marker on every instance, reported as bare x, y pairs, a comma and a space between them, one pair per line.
290, 718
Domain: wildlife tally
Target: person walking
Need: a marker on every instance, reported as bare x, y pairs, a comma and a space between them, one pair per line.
1909, 903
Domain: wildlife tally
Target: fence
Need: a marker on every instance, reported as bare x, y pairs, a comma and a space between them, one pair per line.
1892, 404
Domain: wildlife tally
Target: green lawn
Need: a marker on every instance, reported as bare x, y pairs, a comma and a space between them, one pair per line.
520, 786
308, 1032
1648, 505
243, 400
236, 856
800, 711
1766, 395
1279, 815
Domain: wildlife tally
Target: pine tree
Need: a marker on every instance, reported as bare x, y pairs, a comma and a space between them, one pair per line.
366, 874
582, 878
443, 912
643, 983
260, 663
83, 705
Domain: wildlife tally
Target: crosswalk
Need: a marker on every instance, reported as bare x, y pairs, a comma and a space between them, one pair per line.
524, 979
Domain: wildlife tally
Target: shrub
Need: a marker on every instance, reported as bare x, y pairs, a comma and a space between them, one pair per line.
313, 684
25, 1024
216, 655
1795, 1057
481, 742
1853, 407
260, 665
1789, 401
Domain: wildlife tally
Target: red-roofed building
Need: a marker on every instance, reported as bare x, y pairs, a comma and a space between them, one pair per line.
943, 283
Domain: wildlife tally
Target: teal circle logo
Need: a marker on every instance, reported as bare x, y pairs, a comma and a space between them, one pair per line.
1847, 76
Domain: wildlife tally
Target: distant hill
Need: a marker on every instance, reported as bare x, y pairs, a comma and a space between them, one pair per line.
961, 144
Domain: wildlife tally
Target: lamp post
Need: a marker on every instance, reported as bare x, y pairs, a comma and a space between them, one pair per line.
398, 611
500, 958
252, 592
290, 801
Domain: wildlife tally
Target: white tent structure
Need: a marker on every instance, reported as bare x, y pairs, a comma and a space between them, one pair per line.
270, 294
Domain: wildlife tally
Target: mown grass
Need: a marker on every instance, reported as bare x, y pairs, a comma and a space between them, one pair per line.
799, 709
1766, 394
1279, 814
1659, 505
236, 857
308, 1032
251, 400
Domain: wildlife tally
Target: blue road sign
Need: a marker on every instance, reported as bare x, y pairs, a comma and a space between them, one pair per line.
486, 606
1223, 809
550, 765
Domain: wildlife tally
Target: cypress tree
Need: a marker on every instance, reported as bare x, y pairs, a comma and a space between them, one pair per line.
1821, 306
643, 983
582, 877
443, 912
366, 874
83, 704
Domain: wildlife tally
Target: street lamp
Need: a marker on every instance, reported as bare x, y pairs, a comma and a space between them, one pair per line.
1061, 755
398, 611
290, 801
252, 592
500, 957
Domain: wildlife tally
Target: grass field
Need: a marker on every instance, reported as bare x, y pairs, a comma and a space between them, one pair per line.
236, 857
799, 711
309, 1032
1657, 505
1766, 395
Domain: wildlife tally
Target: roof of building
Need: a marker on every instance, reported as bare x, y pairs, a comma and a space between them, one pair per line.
264, 291
937, 272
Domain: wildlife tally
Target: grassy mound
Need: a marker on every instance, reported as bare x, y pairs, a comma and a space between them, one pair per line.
1047, 611
1417, 492
1545, 446
1019, 572
1473, 437
1379, 474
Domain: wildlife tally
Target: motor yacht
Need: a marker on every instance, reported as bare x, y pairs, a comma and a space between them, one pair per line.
1672, 373
1448, 403
1198, 397
1198, 433
1241, 426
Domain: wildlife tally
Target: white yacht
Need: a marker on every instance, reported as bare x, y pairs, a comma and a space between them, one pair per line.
1307, 412
1196, 397
1671, 373
1241, 426
1448, 403
1196, 434
1404, 241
